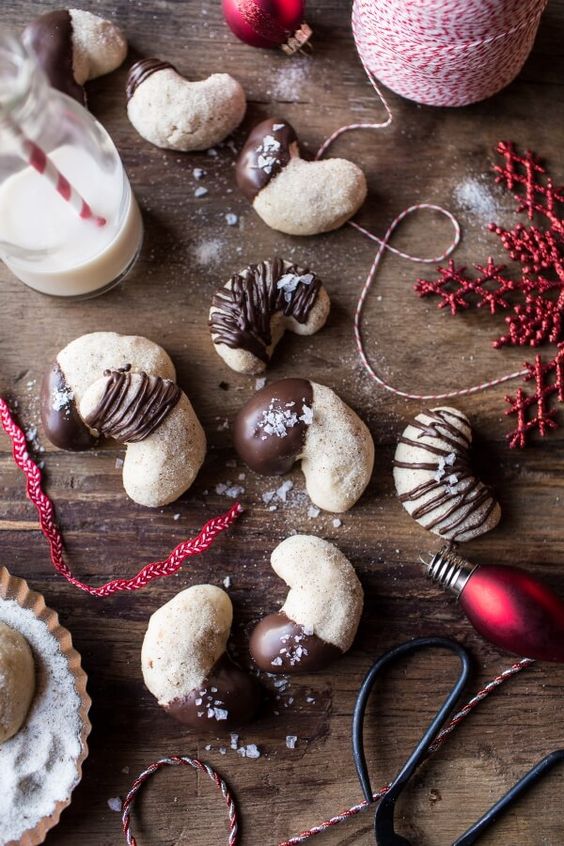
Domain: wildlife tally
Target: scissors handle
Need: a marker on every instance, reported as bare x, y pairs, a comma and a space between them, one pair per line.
537, 772
420, 751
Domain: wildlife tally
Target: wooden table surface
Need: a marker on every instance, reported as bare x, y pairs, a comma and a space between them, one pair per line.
428, 154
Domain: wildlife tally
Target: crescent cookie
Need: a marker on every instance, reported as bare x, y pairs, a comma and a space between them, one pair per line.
123, 387
435, 481
298, 420
249, 316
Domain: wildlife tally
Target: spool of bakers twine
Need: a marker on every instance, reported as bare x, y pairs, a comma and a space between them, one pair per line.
343, 816
445, 52
48, 524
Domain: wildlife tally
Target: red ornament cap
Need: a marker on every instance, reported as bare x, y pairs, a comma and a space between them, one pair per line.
268, 23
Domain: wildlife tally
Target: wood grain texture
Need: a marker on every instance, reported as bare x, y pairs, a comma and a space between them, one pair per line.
189, 250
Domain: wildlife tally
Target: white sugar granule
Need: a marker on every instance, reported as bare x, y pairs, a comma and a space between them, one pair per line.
38, 764
290, 78
476, 197
208, 252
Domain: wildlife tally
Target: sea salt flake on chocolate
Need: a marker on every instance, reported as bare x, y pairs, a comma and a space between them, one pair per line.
252, 751
61, 398
221, 713
277, 662
234, 741
308, 630
197, 702
115, 804
313, 511
277, 126
291, 741
306, 415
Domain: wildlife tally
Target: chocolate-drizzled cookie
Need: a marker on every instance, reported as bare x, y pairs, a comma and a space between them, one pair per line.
252, 311
132, 406
176, 113
136, 402
186, 667
435, 481
320, 616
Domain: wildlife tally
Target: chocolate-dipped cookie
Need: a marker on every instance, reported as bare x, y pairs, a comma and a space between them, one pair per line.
175, 113
123, 387
295, 419
73, 46
250, 314
293, 195
320, 617
435, 481
186, 667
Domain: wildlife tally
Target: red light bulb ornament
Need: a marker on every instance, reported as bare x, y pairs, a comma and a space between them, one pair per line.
506, 605
268, 23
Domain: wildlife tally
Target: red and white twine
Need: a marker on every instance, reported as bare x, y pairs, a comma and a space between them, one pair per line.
445, 52
221, 784
476, 39
46, 513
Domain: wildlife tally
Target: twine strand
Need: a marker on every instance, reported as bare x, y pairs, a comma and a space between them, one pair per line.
343, 816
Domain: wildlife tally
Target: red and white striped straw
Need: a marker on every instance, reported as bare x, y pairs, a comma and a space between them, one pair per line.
38, 159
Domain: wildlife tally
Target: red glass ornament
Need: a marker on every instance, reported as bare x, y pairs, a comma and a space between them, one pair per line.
268, 23
506, 605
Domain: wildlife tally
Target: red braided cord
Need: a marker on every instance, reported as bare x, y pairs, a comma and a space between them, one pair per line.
177, 761
47, 522
455, 721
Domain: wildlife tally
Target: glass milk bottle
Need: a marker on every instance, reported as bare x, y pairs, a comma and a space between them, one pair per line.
69, 223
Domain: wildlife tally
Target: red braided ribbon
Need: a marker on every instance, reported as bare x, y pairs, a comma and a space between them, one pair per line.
178, 761
47, 522
455, 721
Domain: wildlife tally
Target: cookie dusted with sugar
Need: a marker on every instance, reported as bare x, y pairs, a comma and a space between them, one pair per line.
186, 667
251, 313
175, 113
17, 681
123, 387
320, 617
73, 46
435, 481
293, 195
298, 420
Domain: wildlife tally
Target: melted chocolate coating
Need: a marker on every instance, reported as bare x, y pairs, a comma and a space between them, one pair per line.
49, 37
470, 497
227, 698
141, 70
61, 420
130, 414
277, 406
242, 313
266, 152
279, 645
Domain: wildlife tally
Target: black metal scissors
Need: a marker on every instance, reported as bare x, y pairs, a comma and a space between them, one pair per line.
384, 830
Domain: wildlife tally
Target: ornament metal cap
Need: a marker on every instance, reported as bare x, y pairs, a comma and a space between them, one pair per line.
448, 569
298, 40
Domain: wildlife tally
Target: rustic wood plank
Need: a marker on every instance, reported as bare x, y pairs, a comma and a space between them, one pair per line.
189, 250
